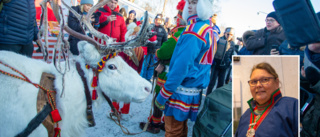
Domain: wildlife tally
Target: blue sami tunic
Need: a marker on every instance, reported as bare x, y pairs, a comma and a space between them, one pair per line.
282, 120
189, 67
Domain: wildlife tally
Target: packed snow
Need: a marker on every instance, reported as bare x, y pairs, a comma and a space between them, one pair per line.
139, 112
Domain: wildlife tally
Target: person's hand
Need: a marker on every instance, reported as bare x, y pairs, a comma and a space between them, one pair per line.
274, 52
314, 47
92, 18
111, 18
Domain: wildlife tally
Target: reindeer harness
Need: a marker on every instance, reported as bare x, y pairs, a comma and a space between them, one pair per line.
46, 99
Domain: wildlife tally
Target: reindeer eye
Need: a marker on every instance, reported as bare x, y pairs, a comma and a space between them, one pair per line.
112, 67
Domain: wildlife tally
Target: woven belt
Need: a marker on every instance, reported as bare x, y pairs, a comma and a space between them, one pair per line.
188, 91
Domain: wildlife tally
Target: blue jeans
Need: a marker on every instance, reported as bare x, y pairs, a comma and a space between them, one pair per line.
147, 70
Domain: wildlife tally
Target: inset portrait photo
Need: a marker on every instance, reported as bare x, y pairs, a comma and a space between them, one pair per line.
265, 95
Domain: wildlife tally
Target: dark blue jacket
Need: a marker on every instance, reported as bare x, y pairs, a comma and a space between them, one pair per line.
282, 120
18, 22
244, 51
284, 50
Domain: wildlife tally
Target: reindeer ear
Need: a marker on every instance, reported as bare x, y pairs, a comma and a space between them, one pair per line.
89, 53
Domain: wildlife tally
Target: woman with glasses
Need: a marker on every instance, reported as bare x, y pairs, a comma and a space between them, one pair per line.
261, 41
269, 113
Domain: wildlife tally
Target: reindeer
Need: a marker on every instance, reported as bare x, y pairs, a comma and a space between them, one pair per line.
116, 79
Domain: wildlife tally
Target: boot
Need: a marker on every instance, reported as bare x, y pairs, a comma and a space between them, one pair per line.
161, 126
152, 128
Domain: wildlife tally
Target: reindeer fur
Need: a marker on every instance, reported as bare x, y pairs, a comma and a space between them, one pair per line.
18, 98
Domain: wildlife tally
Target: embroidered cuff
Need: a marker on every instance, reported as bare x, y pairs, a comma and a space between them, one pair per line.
161, 107
162, 98
165, 93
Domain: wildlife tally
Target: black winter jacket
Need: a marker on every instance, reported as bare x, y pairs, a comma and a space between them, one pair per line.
18, 22
263, 39
162, 36
74, 24
225, 62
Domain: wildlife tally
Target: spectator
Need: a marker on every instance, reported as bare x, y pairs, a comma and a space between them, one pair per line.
239, 45
286, 49
245, 36
222, 65
123, 12
189, 69
18, 26
162, 36
73, 23
167, 25
112, 22
132, 17
260, 43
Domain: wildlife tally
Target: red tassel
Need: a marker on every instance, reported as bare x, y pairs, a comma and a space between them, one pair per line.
57, 131
94, 81
55, 115
94, 94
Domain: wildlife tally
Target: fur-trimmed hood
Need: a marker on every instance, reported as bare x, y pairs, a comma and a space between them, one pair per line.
204, 9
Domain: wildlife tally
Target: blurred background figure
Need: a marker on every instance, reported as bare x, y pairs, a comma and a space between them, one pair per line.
73, 23
124, 14
167, 25
162, 36
18, 26
131, 18
239, 45
222, 63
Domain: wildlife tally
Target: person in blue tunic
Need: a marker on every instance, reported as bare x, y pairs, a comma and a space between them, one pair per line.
189, 68
269, 113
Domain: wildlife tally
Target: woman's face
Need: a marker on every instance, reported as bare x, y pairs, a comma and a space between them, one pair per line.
86, 7
262, 92
131, 16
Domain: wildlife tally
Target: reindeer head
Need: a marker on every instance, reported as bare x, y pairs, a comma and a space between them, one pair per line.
116, 79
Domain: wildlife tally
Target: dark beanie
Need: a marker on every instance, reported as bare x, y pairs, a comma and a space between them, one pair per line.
132, 11
273, 15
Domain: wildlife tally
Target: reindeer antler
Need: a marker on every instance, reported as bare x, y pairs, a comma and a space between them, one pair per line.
110, 46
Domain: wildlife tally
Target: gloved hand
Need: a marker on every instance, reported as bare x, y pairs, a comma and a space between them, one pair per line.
96, 17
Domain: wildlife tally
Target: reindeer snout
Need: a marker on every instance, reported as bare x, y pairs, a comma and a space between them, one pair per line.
147, 89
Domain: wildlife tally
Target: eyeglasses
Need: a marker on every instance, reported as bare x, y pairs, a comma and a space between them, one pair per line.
270, 20
262, 81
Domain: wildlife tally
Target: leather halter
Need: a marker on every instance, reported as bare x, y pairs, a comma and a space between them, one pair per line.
90, 116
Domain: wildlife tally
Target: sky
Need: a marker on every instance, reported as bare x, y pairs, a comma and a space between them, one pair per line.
242, 14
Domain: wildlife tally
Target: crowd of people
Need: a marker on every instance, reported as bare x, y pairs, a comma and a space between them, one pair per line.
189, 56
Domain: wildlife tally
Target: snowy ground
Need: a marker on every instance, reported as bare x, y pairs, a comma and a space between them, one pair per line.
139, 112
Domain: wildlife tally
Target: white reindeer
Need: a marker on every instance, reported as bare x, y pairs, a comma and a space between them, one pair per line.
18, 98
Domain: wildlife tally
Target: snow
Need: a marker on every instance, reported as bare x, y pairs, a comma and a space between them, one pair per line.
105, 127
